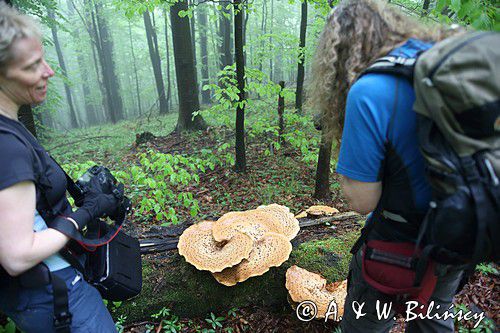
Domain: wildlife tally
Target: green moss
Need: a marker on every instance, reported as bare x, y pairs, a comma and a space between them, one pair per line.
189, 292
329, 257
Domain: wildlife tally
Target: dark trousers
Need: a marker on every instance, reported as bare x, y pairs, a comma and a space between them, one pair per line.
361, 292
33, 310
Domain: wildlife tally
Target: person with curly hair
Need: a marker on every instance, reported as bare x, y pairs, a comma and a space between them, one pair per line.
379, 159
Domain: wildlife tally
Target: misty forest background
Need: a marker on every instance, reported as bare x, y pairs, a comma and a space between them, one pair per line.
200, 107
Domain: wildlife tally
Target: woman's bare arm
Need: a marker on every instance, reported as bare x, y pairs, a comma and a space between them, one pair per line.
20, 247
362, 196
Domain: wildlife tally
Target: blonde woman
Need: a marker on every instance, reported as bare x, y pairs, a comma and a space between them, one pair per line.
32, 273
379, 160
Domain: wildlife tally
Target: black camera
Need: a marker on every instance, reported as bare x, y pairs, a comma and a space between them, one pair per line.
100, 178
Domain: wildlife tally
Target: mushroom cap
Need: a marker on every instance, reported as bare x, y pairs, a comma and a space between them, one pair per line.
253, 222
303, 285
321, 210
290, 223
271, 250
198, 247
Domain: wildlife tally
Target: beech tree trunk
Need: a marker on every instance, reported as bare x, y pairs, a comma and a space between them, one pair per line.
241, 164
322, 188
167, 47
90, 109
154, 54
425, 8
226, 57
185, 71
300, 70
271, 67
62, 64
202, 21
134, 63
105, 52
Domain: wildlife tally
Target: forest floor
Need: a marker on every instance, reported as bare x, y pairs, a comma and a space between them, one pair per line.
272, 176
285, 170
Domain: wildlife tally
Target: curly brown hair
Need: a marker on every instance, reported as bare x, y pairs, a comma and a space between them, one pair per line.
356, 33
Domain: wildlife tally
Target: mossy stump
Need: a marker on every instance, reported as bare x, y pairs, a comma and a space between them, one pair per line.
188, 292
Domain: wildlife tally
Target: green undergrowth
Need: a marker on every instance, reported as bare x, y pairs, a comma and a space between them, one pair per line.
163, 187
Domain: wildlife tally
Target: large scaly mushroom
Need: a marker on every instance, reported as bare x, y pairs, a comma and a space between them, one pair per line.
303, 285
233, 222
271, 250
290, 223
198, 247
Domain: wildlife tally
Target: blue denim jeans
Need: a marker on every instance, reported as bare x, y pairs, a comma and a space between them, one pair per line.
33, 311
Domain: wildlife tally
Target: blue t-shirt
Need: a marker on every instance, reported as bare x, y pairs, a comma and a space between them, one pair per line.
371, 102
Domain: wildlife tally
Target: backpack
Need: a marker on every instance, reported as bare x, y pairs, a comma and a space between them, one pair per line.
457, 87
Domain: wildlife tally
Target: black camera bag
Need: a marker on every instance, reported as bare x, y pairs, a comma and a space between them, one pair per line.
115, 268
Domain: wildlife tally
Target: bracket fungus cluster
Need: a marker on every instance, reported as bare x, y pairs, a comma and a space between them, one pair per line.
303, 285
240, 245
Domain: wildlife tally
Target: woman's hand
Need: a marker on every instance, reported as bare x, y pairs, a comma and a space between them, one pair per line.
20, 247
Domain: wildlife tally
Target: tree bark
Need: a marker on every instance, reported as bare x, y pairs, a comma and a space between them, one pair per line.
137, 91
202, 21
105, 51
281, 111
62, 64
300, 70
90, 109
154, 55
167, 48
322, 188
226, 57
425, 8
241, 163
185, 71
271, 67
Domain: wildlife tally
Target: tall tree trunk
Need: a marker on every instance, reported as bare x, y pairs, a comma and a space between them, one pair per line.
137, 90
300, 69
90, 109
154, 54
322, 188
185, 71
62, 64
167, 46
202, 21
241, 163
105, 51
102, 113
425, 8
271, 69
225, 32
263, 31
192, 21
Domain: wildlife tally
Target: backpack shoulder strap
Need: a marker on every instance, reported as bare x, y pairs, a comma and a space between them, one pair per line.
398, 66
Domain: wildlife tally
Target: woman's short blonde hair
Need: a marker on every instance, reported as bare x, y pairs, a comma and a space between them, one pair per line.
13, 26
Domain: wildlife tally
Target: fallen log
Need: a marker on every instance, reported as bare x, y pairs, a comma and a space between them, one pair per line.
171, 282
166, 238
